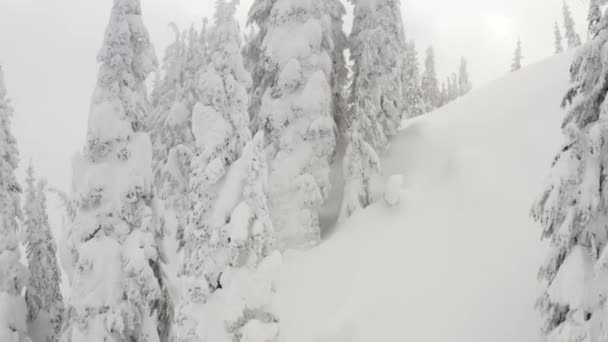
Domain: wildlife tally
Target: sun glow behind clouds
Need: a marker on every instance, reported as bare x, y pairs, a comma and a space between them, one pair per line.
499, 26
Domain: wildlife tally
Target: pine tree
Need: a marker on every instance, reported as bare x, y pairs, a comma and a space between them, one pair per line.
412, 93
43, 296
572, 209
430, 84
559, 48
517, 57
572, 38
117, 269
13, 275
377, 49
292, 102
464, 82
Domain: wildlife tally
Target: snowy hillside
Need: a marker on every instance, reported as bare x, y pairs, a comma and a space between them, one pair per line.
458, 259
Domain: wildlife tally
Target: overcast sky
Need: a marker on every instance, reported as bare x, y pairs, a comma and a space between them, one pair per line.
48, 49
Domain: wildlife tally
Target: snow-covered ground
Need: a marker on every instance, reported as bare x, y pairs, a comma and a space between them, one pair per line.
457, 260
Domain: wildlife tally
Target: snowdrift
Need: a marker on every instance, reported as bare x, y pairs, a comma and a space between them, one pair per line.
457, 259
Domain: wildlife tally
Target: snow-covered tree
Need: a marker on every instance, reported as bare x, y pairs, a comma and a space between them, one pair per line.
559, 48
517, 57
293, 103
220, 126
116, 276
594, 17
43, 296
377, 50
464, 82
453, 88
412, 93
429, 82
13, 275
572, 209
362, 169
572, 38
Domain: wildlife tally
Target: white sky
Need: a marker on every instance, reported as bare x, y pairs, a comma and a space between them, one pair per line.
48, 49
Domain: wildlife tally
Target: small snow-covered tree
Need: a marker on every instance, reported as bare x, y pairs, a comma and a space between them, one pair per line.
517, 57
43, 296
572, 209
377, 50
13, 275
572, 38
361, 170
464, 82
453, 88
429, 82
559, 48
412, 93
116, 279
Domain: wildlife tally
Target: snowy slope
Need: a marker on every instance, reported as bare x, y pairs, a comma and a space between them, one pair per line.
457, 261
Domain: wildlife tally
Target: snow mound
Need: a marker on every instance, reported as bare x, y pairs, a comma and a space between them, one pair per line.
457, 260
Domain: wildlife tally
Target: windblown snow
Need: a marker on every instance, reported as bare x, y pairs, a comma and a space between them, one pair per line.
457, 258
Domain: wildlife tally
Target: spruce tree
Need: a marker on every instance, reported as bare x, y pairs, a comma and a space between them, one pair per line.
559, 48
117, 273
13, 275
377, 49
572, 38
429, 83
43, 296
464, 82
517, 57
293, 103
572, 209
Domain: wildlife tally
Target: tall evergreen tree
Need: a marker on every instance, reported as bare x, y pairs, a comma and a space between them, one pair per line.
13, 275
412, 93
517, 57
377, 49
293, 103
572, 209
116, 278
430, 84
464, 82
559, 48
43, 296
220, 125
572, 38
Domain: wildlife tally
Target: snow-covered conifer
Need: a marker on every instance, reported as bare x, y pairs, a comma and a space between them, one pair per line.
292, 102
117, 272
572, 209
43, 296
220, 126
361, 168
517, 57
412, 93
13, 275
453, 88
572, 38
559, 48
464, 82
377, 50
429, 82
